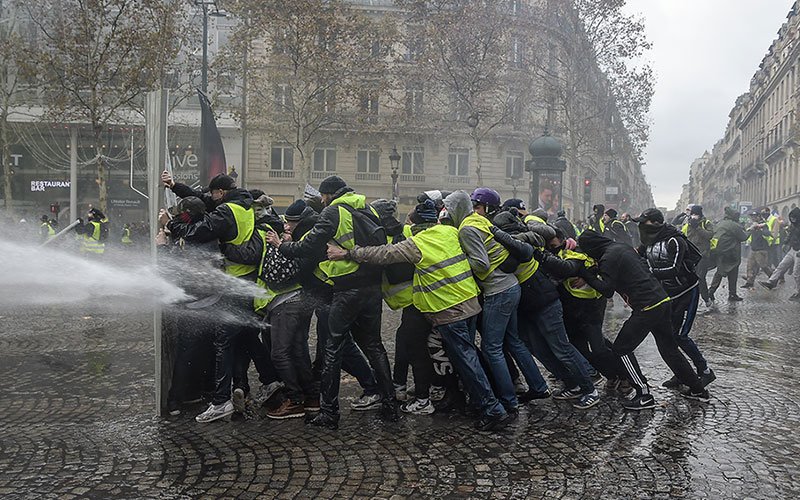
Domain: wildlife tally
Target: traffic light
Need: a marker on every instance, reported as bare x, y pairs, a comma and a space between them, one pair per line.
587, 189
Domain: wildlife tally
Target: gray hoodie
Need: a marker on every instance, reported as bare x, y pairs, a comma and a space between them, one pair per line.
459, 207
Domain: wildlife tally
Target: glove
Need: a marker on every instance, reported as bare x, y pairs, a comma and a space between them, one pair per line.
538, 254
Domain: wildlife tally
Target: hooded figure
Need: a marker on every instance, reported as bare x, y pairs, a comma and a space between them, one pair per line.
459, 206
730, 235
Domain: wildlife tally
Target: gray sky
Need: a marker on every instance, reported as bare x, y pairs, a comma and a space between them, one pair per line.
704, 54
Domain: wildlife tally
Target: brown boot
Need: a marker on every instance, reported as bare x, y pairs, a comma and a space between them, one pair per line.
287, 409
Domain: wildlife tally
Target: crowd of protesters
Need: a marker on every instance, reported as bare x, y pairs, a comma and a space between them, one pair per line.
458, 266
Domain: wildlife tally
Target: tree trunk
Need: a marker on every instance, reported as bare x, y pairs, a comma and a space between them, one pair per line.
7, 166
479, 160
102, 173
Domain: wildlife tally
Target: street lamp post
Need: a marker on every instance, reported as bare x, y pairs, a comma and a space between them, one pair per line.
204, 4
394, 158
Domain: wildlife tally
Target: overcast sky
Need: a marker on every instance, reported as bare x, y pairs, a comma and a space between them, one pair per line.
704, 54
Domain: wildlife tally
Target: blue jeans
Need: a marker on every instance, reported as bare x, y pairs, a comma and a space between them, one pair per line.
499, 329
459, 342
550, 344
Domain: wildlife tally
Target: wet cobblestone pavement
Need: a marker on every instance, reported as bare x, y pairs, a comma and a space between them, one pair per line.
78, 421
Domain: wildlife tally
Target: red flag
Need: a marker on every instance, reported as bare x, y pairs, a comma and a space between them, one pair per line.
212, 154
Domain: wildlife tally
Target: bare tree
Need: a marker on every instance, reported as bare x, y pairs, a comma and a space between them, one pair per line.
313, 67
97, 58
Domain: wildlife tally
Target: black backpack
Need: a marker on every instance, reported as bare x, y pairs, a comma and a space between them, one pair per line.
693, 254
367, 228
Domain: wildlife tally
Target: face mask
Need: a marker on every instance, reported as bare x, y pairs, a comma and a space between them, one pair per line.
184, 217
649, 232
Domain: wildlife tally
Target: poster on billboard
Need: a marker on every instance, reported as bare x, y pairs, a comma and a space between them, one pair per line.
548, 188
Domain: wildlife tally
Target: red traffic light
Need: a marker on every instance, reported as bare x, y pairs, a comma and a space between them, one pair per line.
587, 182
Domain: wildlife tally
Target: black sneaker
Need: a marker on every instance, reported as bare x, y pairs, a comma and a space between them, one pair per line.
707, 378
795, 297
488, 424
325, 421
587, 401
642, 402
767, 285
734, 298
672, 383
701, 396
531, 395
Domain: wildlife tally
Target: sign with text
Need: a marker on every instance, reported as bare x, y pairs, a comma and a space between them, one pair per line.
41, 186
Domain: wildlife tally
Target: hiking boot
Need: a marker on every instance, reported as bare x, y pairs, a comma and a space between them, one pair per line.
768, 285
216, 412
640, 402
531, 395
266, 391
562, 394
311, 404
325, 421
734, 298
672, 383
418, 407
388, 411
701, 396
239, 401
587, 401
287, 409
707, 378
367, 402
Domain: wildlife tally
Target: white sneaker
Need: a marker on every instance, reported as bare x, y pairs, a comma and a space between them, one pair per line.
267, 391
216, 412
364, 403
418, 407
437, 393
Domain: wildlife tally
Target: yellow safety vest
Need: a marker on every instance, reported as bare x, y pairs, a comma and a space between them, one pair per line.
126, 236
533, 218
442, 277
526, 269
91, 242
245, 225
50, 231
497, 252
344, 237
398, 295
776, 239
713, 242
584, 292
267, 295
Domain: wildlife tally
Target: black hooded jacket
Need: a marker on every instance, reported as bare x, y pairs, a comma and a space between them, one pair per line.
665, 247
794, 229
621, 270
220, 224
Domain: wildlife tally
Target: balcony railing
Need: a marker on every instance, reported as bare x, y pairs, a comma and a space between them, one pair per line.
321, 174
412, 177
368, 176
457, 179
280, 174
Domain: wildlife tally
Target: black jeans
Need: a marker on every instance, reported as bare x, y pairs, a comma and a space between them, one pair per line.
702, 271
733, 278
413, 334
583, 319
658, 322
191, 353
289, 339
248, 346
355, 313
353, 360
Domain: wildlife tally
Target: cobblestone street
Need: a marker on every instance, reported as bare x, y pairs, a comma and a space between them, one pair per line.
78, 421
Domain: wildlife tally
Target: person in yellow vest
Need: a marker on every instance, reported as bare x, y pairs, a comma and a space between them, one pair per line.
46, 231
232, 223
126, 235
300, 218
760, 240
596, 222
356, 304
445, 292
411, 338
584, 309
540, 317
700, 231
774, 226
494, 271
95, 233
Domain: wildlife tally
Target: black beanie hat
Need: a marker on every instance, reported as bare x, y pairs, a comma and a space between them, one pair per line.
611, 213
295, 211
696, 210
222, 181
331, 184
426, 211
